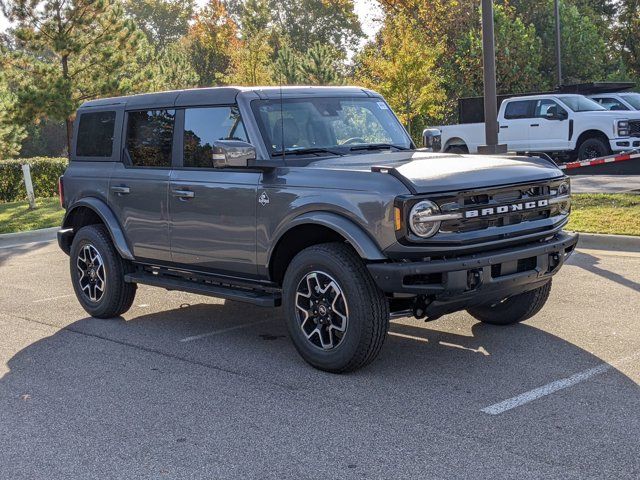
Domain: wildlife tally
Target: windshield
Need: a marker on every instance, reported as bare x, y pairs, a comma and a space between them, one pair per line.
334, 126
632, 99
581, 104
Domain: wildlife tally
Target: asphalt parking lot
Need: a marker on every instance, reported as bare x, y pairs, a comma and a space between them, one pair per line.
193, 387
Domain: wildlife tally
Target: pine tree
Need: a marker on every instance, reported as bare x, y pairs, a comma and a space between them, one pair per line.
67, 52
11, 133
286, 67
318, 66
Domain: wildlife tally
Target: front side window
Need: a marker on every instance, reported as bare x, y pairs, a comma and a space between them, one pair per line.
543, 106
204, 126
338, 125
611, 103
95, 134
633, 99
519, 109
150, 137
578, 103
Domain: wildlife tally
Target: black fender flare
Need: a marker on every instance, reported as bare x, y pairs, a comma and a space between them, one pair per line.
108, 218
363, 244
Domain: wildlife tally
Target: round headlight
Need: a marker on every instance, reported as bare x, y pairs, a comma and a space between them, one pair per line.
563, 189
419, 219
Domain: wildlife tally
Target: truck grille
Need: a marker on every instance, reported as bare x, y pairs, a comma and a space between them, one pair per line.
501, 207
634, 128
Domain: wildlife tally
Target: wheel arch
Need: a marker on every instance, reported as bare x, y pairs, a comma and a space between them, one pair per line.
313, 228
591, 133
90, 211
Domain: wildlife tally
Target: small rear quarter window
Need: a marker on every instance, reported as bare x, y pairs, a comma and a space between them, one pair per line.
95, 134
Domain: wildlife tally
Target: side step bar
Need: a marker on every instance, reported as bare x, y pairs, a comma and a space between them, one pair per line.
256, 297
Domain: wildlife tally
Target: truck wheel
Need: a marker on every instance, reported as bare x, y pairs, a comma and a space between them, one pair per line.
336, 315
513, 309
97, 274
592, 148
458, 149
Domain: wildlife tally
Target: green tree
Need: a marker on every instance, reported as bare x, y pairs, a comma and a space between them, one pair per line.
319, 66
286, 68
210, 42
163, 21
627, 37
11, 133
67, 53
409, 81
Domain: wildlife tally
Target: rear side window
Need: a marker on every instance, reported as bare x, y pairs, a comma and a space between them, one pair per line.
95, 134
150, 137
203, 126
521, 109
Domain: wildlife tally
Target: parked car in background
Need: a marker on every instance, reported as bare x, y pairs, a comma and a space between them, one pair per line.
623, 101
561, 125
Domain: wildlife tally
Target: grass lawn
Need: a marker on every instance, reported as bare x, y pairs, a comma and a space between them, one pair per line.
606, 213
16, 216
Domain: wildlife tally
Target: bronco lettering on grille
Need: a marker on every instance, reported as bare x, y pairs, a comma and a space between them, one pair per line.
514, 207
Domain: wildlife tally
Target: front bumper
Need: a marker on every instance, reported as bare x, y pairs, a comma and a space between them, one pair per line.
624, 143
461, 282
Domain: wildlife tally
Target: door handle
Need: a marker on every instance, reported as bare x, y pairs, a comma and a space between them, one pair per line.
121, 190
183, 193
534, 125
504, 126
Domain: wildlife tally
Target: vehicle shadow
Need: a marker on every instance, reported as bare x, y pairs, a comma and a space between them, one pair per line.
118, 385
590, 263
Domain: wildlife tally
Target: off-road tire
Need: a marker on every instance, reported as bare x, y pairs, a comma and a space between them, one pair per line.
514, 309
593, 148
118, 295
367, 306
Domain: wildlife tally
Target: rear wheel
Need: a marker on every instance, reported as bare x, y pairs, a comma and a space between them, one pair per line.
592, 148
97, 274
514, 309
336, 315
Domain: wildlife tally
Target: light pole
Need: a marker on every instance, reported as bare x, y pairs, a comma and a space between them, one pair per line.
558, 44
490, 96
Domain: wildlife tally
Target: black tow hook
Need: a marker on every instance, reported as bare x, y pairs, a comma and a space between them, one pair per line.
420, 307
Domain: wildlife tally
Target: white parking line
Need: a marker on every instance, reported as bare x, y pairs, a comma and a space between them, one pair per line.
54, 298
222, 330
552, 387
411, 337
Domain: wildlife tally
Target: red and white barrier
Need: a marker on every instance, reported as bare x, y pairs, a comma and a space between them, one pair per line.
599, 161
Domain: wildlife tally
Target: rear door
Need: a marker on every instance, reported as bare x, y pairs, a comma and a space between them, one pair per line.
514, 130
138, 189
212, 211
548, 135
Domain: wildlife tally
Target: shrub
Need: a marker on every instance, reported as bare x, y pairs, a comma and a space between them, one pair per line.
44, 175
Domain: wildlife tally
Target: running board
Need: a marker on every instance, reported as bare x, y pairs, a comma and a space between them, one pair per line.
256, 297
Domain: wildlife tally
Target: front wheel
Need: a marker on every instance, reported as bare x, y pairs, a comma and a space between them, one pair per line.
336, 316
514, 309
592, 148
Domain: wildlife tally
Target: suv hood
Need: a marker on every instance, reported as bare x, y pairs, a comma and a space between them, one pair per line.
425, 172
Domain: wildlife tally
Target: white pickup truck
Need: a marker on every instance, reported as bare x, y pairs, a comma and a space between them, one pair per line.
619, 102
560, 125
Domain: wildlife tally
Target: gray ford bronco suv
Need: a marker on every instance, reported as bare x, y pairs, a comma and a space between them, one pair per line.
315, 198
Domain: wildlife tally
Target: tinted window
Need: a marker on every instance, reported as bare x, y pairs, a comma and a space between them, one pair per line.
150, 137
522, 109
95, 134
203, 126
578, 103
543, 106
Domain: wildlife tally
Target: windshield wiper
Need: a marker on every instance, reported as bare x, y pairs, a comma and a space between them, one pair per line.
377, 146
306, 151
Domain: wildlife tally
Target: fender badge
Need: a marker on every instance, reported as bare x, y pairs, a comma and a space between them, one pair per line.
263, 199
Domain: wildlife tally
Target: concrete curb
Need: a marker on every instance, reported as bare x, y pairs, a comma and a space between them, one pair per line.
32, 236
596, 241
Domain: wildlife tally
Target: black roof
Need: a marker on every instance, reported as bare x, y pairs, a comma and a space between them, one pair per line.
219, 95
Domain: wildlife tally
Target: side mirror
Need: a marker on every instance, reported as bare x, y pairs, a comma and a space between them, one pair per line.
432, 139
232, 154
554, 114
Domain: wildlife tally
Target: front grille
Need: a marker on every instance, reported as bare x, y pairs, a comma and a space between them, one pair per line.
634, 128
498, 207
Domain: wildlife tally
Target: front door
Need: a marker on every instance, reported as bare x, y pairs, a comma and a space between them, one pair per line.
138, 188
212, 211
548, 135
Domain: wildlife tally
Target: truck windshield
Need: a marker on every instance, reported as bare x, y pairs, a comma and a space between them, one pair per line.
334, 126
633, 99
581, 104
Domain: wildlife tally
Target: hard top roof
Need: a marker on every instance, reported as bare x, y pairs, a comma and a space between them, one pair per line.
220, 95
